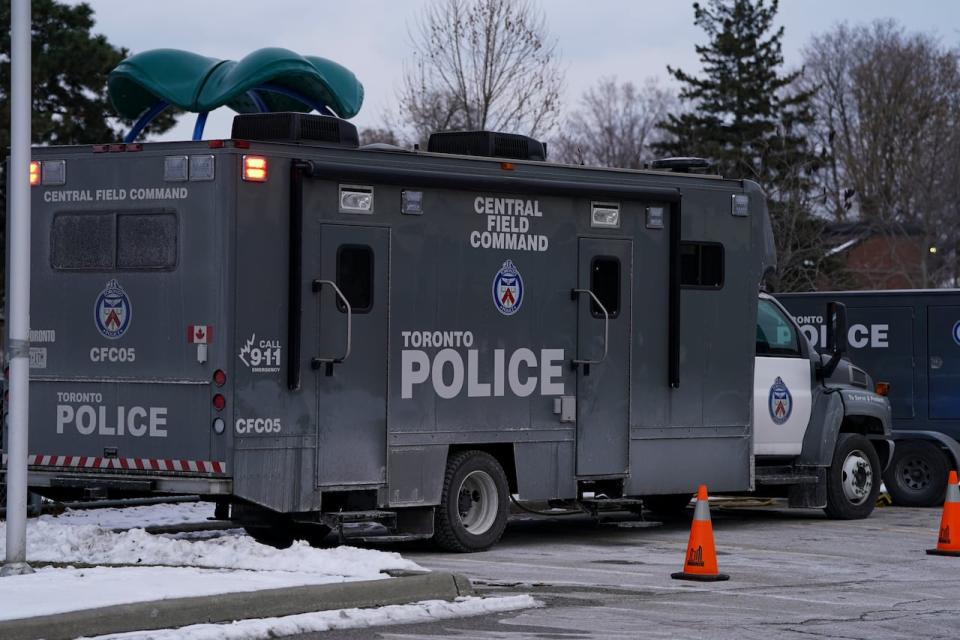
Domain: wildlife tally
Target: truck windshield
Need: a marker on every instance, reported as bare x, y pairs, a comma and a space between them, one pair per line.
776, 335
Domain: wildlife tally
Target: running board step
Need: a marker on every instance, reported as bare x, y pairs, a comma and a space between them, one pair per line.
596, 505
335, 520
786, 475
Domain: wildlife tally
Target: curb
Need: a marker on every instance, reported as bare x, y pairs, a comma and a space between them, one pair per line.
227, 607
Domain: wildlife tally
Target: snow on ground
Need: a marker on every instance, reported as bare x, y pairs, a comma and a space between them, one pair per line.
186, 566
51, 541
427, 611
52, 590
130, 517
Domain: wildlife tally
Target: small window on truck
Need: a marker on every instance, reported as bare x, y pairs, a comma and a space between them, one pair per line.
129, 241
605, 284
83, 241
776, 335
146, 241
701, 265
355, 277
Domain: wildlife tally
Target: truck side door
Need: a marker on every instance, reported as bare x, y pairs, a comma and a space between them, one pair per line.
782, 384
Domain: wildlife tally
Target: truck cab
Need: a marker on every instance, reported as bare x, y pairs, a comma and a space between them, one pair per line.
821, 432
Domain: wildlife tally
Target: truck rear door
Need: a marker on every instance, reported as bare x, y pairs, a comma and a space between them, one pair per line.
126, 317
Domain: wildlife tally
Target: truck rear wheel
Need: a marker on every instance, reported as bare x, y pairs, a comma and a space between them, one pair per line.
473, 508
853, 480
917, 477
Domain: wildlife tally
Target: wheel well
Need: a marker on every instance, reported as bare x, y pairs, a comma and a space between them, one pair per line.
861, 424
866, 425
502, 451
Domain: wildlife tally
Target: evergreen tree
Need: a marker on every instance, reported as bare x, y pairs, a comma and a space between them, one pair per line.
69, 73
750, 121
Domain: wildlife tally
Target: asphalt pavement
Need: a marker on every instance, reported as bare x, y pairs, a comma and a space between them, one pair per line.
793, 574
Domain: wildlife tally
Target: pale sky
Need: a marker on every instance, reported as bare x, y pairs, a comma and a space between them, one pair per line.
632, 40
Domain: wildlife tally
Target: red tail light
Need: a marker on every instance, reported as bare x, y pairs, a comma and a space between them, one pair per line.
219, 378
219, 402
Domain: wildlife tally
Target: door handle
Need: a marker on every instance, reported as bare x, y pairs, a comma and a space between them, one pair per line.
574, 294
318, 361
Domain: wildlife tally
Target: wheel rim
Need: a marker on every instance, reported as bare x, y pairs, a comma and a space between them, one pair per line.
857, 479
478, 502
915, 474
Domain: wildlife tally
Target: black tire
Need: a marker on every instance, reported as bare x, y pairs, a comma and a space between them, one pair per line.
473, 508
917, 476
853, 479
672, 505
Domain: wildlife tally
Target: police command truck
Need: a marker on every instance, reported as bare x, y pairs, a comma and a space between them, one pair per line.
314, 333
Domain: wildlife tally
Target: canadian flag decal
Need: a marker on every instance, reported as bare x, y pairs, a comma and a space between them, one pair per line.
200, 334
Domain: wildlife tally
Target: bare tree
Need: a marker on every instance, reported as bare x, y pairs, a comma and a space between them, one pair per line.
888, 108
383, 134
615, 124
482, 64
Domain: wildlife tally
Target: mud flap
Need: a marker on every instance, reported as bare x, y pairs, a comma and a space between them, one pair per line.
810, 495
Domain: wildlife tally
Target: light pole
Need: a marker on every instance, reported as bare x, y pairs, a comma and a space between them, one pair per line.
18, 347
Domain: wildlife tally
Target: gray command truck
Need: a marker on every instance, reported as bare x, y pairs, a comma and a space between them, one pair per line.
910, 341
317, 334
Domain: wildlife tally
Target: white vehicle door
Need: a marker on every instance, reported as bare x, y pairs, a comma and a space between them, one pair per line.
782, 385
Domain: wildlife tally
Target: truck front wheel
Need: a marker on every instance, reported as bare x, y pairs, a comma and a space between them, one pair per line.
853, 480
473, 509
917, 477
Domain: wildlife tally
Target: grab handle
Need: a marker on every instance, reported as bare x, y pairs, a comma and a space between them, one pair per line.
606, 326
318, 361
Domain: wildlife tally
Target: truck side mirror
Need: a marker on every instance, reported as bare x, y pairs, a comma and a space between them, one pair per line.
836, 336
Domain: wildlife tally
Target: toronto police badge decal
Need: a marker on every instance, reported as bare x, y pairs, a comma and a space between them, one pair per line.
780, 402
508, 289
113, 311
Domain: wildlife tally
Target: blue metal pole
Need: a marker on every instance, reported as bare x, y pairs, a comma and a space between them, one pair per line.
146, 119
200, 124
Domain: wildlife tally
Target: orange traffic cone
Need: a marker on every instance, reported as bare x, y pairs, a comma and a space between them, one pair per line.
948, 543
701, 562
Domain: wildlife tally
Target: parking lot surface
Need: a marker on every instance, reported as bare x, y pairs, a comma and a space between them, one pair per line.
794, 574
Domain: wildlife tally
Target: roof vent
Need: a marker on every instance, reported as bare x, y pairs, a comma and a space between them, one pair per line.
680, 165
489, 144
298, 128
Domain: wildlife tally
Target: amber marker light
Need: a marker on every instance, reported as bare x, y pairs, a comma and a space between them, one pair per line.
34, 173
254, 168
882, 388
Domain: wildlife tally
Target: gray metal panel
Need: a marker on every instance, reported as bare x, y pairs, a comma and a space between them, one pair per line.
352, 401
269, 421
603, 389
679, 465
416, 475
545, 470
265, 470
